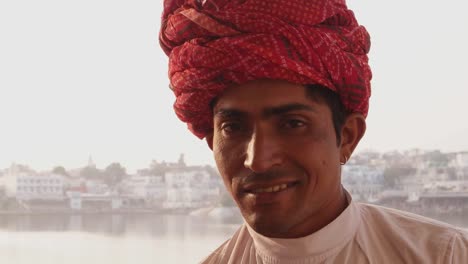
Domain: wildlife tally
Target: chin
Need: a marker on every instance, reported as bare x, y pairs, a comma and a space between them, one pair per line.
268, 225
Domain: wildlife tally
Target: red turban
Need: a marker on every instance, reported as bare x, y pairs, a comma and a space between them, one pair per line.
213, 44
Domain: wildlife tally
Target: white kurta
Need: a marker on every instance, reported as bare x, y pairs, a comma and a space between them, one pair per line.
361, 234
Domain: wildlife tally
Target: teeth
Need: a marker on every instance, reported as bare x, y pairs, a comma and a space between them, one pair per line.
275, 188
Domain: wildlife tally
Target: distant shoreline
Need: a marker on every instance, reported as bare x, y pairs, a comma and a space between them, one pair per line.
419, 211
90, 212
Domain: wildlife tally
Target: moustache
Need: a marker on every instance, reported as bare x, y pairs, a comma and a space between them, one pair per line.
265, 177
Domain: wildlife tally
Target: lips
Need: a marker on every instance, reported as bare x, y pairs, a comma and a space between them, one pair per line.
275, 188
270, 188
263, 195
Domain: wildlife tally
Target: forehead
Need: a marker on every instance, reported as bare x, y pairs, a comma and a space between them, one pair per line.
260, 94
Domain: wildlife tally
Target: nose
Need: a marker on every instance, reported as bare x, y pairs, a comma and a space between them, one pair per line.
264, 151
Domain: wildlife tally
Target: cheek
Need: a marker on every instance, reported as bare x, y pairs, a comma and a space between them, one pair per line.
318, 158
227, 160
226, 153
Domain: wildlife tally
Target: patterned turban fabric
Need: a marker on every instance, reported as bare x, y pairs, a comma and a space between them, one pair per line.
214, 44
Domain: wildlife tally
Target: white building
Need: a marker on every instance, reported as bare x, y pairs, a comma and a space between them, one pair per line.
183, 198
149, 187
190, 188
9, 178
96, 187
460, 165
362, 174
87, 201
362, 181
44, 187
461, 159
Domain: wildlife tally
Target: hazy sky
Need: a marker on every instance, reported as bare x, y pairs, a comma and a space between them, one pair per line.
80, 78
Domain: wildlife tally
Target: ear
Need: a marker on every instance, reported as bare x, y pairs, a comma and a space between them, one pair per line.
209, 140
351, 133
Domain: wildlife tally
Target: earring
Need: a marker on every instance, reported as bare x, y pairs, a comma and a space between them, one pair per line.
346, 160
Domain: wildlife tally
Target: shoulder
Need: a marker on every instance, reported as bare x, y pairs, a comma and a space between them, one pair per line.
401, 219
234, 248
458, 248
408, 235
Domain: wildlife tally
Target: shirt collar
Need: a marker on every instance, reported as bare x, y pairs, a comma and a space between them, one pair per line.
336, 233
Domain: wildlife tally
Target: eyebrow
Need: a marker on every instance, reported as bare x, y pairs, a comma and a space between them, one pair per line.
267, 112
230, 113
283, 109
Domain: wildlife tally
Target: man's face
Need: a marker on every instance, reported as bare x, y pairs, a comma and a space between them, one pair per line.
277, 152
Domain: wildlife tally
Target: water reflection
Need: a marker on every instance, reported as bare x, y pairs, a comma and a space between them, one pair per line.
144, 225
98, 239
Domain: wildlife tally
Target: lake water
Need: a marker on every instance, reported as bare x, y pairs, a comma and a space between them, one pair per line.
117, 239
99, 239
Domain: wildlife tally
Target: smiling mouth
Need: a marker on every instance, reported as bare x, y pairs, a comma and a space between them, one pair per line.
272, 189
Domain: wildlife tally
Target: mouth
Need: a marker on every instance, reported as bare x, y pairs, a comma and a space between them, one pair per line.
270, 189
266, 195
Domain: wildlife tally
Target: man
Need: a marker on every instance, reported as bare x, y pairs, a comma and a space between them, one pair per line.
280, 91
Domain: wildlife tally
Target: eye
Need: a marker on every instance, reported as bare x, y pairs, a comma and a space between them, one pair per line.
229, 128
293, 123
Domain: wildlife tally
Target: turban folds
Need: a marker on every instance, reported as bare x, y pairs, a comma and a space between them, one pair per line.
213, 44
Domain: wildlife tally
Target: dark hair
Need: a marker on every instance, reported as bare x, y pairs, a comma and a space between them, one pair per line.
321, 93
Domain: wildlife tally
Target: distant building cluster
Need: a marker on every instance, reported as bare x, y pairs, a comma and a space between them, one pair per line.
411, 180
163, 186
46, 186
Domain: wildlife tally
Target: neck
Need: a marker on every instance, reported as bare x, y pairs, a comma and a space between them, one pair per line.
329, 212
